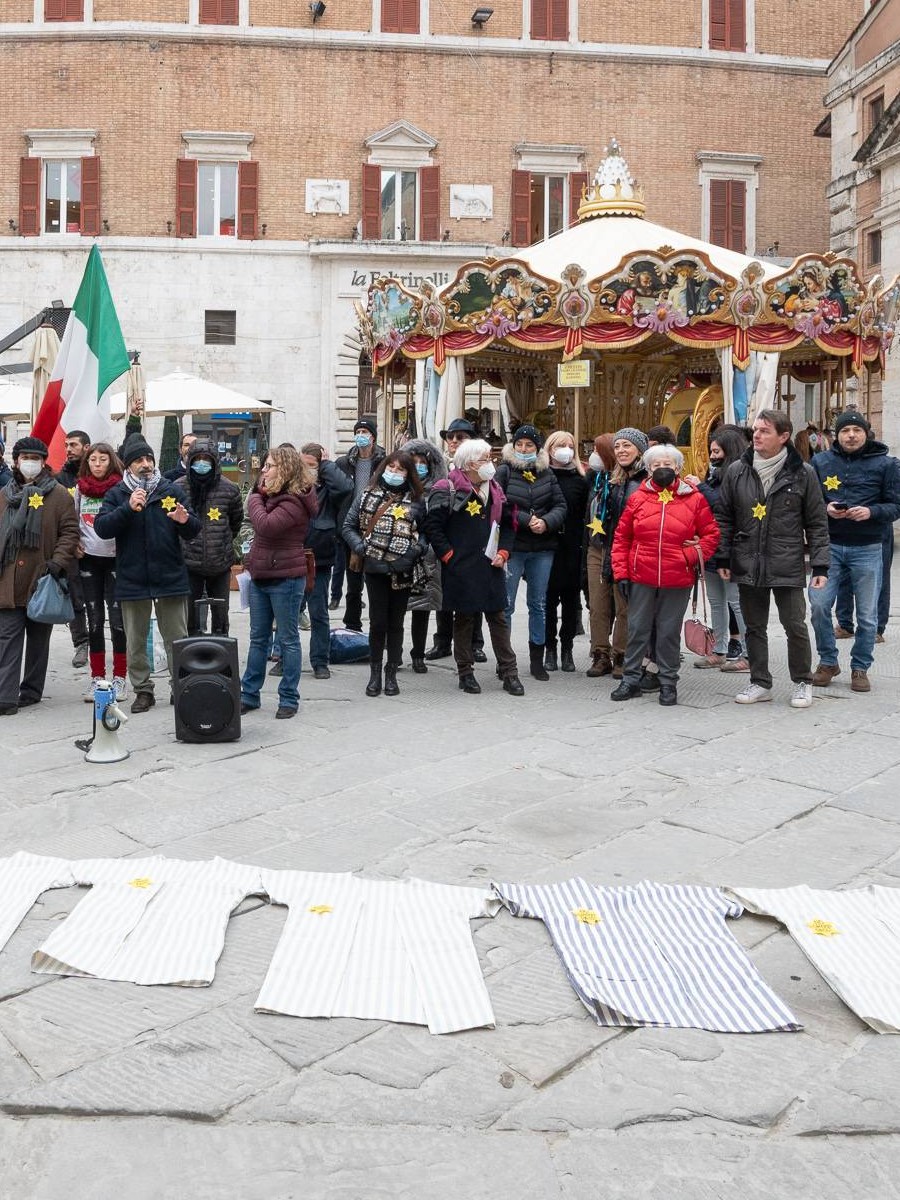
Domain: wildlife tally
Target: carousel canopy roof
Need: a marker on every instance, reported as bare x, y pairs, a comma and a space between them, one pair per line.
615, 280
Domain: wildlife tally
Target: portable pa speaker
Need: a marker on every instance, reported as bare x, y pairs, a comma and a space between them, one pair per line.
207, 689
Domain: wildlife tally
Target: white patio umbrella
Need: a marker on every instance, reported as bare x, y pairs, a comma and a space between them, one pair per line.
43, 357
179, 393
135, 392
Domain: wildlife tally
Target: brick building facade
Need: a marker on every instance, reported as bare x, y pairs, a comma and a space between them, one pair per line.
262, 158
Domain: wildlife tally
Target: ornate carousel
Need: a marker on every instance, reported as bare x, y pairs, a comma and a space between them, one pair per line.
618, 321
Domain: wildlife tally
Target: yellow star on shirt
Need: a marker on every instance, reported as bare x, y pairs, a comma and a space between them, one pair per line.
398, 512
319, 909
71, 491
142, 882
35, 501
823, 928
596, 526
665, 496
214, 514
587, 916
529, 476
473, 508
168, 503
832, 483
759, 511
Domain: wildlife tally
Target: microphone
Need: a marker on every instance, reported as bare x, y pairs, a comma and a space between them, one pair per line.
144, 479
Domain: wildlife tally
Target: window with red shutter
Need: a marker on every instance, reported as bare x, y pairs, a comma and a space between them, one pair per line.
400, 16
371, 202
29, 197
728, 25
90, 197
248, 200
430, 204
185, 198
728, 213
550, 20
520, 208
218, 12
63, 10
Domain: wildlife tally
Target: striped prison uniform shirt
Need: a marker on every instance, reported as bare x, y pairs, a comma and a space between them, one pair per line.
653, 954
148, 920
852, 938
24, 878
385, 950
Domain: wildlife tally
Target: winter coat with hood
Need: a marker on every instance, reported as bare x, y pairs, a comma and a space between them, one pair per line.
649, 546
870, 477
765, 538
431, 599
218, 504
59, 541
532, 490
567, 560
333, 490
280, 523
347, 464
149, 559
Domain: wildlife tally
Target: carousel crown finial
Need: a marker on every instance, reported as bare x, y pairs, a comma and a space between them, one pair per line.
613, 191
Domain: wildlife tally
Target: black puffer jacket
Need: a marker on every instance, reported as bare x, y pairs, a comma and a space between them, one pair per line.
567, 560
332, 492
218, 503
532, 490
765, 538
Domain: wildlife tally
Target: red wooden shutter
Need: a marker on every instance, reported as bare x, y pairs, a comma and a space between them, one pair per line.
520, 208
90, 197
718, 24
29, 197
248, 200
228, 12
718, 212
371, 202
409, 16
727, 25
185, 198
390, 16
737, 215
430, 204
54, 10
577, 180
209, 12
540, 19
737, 19
559, 21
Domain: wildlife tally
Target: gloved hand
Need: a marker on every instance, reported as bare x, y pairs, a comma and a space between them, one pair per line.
54, 569
624, 586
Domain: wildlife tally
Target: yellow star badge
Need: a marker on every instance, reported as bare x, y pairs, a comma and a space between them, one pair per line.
214, 514
665, 496
596, 526
319, 909
587, 916
473, 508
35, 501
398, 512
832, 483
529, 476
142, 882
71, 492
759, 511
168, 503
822, 928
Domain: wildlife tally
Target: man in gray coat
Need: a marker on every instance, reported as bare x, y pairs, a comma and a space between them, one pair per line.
771, 513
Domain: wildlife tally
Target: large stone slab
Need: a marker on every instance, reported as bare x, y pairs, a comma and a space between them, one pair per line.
875, 797
656, 851
745, 810
856, 1095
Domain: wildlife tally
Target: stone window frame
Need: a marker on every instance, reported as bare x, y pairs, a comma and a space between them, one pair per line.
721, 164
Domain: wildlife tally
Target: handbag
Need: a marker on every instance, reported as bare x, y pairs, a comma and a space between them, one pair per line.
50, 602
416, 579
698, 637
310, 569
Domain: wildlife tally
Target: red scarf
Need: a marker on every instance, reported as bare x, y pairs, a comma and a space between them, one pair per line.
89, 486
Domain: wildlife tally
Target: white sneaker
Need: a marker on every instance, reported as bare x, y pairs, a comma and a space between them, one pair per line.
88, 696
121, 687
304, 622
753, 693
802, 696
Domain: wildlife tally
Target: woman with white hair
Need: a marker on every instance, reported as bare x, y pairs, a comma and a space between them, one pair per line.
468, 515
665, 534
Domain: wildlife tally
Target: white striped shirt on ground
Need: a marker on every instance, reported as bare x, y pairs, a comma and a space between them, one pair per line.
852, 938
148, 920
385, 950
24, 878
653, 954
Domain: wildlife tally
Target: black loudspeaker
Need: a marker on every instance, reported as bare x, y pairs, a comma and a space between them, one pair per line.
207, 689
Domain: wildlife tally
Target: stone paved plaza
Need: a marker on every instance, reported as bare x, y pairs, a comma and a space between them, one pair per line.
110, 1089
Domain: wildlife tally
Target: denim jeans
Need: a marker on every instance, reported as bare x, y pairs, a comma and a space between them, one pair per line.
722, 596
319, 621
861, 567
536, 566
844, 611
271, 602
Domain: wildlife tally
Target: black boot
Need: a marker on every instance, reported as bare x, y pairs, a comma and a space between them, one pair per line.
551, 662
567, 662
625, 691
418, 665
390, 680
537, 662
373, 687
513, 685
667, 694
649, 681
440, 649
468, 683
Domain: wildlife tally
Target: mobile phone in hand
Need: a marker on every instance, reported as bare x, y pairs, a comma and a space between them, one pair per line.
839, 505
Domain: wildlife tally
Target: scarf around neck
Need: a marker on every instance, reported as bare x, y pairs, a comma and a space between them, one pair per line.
149, 482
89, 486
768, 468
20, 527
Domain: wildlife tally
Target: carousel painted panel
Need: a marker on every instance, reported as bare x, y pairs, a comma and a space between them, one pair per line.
817, 296
394, 313
498, 297
665, 290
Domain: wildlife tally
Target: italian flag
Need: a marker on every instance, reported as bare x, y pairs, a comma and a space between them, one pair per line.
92, 356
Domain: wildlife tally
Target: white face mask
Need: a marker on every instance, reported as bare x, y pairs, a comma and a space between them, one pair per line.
487, 471
29, 469
564, 455
595, 462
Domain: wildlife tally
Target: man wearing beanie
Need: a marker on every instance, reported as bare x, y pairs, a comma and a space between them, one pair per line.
770, 511
150, 518
38, 536
358, 466
861, 488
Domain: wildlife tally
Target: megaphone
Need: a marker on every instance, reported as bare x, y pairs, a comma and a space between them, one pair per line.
106, 745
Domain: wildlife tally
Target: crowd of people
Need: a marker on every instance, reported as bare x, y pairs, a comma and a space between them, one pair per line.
450, 532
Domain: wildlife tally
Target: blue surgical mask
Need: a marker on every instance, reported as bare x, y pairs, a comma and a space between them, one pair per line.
422, 470
392, 479
362, 440
201, 467
525, 459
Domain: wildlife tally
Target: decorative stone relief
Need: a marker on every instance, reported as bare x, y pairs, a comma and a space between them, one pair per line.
474, 200
328, 196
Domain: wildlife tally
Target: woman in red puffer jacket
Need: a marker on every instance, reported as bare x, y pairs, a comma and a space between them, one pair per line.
664, 536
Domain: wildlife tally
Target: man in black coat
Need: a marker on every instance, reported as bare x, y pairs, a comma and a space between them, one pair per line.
149, 517
358, 465
770, 513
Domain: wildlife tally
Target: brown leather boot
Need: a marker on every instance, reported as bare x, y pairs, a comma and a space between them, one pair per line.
824, 674
601, 665
618, 666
